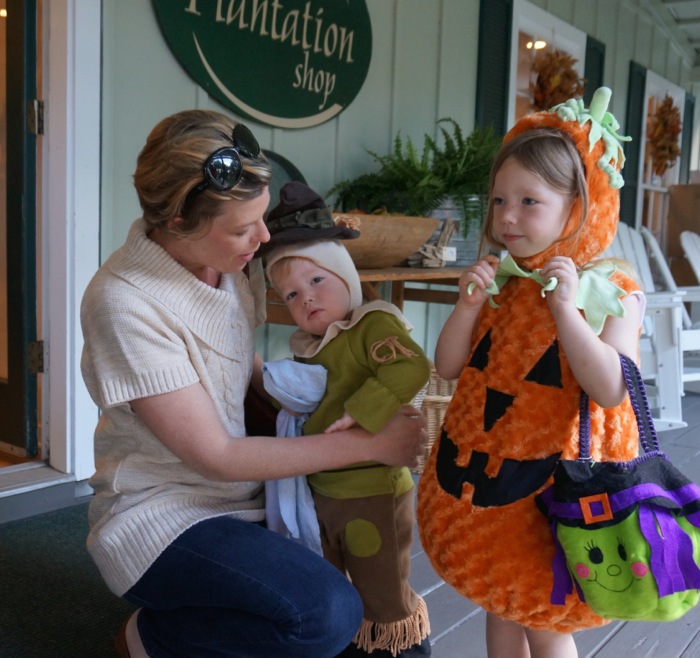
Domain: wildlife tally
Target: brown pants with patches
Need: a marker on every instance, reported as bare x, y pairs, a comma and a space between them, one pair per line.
370, 539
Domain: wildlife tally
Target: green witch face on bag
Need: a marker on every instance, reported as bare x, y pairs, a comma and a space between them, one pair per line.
626, 534
611, 566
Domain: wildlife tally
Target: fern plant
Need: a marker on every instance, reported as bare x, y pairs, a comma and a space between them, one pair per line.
413, 182
463, 164
404, 184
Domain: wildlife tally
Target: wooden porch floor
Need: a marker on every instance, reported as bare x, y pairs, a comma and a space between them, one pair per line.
458, 626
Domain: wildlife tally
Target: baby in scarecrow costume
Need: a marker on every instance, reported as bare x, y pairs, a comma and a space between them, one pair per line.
365, 511
515, 411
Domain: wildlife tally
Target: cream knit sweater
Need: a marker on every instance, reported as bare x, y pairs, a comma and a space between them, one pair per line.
151, 327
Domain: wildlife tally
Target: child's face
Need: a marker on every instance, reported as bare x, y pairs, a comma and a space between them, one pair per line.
314, 296
528, 214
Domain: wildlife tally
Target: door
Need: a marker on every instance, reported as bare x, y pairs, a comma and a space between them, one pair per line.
18, 387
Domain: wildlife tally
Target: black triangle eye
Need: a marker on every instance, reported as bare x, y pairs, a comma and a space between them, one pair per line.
547, 370
480, 357
497, 403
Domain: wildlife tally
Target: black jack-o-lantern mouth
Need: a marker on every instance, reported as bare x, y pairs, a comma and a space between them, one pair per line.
516, 479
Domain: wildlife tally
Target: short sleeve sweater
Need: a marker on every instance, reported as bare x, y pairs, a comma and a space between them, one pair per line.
151, 327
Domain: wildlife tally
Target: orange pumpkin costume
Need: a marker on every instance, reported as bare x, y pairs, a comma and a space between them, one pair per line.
516, 412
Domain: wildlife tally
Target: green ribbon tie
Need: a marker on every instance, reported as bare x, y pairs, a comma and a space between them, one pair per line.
597, 296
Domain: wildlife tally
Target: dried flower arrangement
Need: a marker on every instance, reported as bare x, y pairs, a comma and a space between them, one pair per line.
662, 134
557, 80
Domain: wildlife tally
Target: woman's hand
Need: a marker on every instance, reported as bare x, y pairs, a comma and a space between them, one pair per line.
187, 422
402, 440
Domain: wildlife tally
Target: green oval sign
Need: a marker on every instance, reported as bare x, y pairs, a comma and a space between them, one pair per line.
289, 64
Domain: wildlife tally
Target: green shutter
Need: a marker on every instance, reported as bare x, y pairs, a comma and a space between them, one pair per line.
18, 394
633, 149
687, 140
594, 67
495, 27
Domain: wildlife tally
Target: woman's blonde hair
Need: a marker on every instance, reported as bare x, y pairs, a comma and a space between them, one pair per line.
170, 166
552, 156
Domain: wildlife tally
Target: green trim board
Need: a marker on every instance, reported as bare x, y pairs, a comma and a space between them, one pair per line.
493, 53
18, 395
633, 128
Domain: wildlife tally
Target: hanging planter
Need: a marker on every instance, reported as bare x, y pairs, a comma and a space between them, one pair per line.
663, 131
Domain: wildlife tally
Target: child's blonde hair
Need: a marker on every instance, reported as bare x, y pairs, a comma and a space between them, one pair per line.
552, 156
282, 268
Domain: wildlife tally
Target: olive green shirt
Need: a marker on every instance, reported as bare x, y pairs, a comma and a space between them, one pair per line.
374, 368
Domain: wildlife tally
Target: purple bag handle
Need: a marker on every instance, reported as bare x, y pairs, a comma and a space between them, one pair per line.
640, 405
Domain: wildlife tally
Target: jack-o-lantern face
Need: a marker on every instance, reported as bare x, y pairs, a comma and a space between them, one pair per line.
514, 414
515, 479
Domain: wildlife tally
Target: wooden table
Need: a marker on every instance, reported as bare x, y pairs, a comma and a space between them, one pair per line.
399, 280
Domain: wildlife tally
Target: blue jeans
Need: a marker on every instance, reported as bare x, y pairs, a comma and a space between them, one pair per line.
232, 588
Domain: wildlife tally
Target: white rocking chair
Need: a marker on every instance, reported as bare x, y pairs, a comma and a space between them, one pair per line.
690, 328
690, 241
661, 352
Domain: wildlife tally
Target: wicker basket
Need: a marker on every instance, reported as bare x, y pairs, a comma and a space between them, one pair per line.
387, 240
433, 406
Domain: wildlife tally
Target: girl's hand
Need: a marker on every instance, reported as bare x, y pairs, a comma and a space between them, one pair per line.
481, 274
345, 422
564, 269
454, 342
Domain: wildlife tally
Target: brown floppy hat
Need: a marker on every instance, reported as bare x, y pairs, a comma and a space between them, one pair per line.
302, 216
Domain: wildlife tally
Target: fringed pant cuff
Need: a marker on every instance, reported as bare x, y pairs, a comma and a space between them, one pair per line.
394, 636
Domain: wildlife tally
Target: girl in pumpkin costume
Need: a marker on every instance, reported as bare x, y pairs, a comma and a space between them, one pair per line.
528, 333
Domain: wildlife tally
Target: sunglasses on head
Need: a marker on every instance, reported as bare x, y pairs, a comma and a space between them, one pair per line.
224, 168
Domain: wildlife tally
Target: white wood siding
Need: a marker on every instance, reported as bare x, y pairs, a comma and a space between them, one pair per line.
423, 68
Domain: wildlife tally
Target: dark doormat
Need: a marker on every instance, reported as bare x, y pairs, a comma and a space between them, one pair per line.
53, 602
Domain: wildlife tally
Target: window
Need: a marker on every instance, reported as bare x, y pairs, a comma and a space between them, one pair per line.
538, 36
